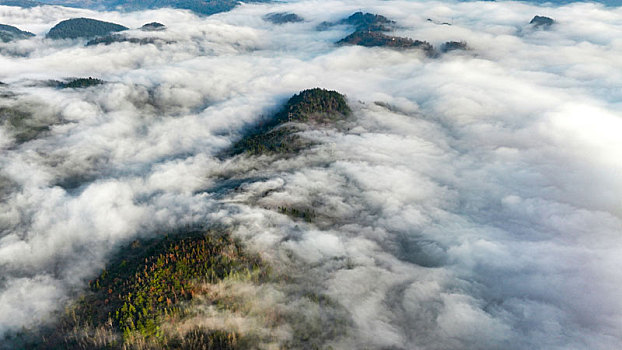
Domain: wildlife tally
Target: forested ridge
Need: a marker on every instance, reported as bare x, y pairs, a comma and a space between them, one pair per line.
313, 107
147, 283
83, 28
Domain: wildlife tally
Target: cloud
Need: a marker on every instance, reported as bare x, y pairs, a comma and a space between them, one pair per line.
472, 202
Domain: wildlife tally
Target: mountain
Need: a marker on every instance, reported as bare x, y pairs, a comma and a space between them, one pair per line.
154, 280
80, 83
83, 28
375, 39
282, 17
454, 45
368, 21
362, 21
118, 38
309, 108
541, 22
121, 38
314, 106
369, 33
153, 26
10, 33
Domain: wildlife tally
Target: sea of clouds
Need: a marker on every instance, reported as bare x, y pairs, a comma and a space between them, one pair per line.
473, 201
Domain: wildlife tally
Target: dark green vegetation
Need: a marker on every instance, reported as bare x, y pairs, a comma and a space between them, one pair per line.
118, 38
151, 282
153, 26
374, 39
454, 45
370, 30
541, 22
109, 39
369, 33
79, 83
83, 28
279, 133
314, 105
368, 21
10, 33
278, 140
121, 38
176, 291
282, 17
363, 21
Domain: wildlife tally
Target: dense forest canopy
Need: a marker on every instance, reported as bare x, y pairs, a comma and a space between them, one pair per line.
313, 107
80, 83
83, 28
283, 17
151, 281
10, 33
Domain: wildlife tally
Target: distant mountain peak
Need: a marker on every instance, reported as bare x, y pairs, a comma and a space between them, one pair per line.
542, 21
83, 28
282, 17
153, 26
278, 135
10, 33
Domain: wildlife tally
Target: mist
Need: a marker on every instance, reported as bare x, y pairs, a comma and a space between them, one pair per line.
473, 200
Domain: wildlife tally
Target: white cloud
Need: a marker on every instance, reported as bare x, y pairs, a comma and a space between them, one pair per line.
476, 207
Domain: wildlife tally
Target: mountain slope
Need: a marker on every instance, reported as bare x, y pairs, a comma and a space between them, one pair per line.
83, 28
279, 134
10, 33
